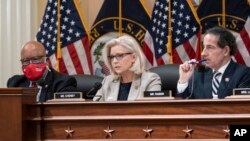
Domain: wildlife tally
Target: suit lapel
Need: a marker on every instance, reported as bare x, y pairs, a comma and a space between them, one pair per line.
226, 78
44, 93
27, 83
114, 90
46, 86
135, 89
208, 84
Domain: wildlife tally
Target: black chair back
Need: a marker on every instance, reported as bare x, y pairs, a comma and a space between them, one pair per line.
169, 74
86, 82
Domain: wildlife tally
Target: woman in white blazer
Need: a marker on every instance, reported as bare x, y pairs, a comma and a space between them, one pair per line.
128, 79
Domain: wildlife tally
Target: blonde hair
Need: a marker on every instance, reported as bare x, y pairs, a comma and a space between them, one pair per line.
130, 44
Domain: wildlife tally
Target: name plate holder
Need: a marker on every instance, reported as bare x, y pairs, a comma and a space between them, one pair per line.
68, 96
157, 95
240, 93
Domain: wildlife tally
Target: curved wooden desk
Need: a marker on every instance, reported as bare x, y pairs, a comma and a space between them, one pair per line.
136, 120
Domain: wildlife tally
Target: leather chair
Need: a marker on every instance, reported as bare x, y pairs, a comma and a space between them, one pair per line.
169, 74
86, 82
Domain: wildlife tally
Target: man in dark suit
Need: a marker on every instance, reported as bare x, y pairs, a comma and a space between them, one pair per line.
220, 75
38, 74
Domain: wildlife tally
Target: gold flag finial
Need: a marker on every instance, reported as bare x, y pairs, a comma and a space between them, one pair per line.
248, 1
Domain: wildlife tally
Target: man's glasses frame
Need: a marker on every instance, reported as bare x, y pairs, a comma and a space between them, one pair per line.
35, 60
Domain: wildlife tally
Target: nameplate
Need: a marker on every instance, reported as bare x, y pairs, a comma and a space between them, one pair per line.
157, 94
241, 91
67, 95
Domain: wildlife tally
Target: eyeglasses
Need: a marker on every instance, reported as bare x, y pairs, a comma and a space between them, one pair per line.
118, 57
35, 60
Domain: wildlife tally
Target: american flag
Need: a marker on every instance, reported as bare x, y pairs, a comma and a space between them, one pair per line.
243, 44
185, 31
74, 44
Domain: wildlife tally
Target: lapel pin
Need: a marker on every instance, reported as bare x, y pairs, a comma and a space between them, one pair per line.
227, 79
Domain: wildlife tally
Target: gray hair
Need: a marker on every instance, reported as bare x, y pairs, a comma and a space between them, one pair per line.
130, 44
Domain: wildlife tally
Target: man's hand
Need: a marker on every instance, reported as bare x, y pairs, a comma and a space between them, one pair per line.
186, 70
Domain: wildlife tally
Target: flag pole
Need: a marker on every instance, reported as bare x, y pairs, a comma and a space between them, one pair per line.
82, 18
199, 49
223, 13
169, 44
120, 18
58, 49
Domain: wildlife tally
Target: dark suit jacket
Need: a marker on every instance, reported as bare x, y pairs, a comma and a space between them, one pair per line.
235, 76
54, 82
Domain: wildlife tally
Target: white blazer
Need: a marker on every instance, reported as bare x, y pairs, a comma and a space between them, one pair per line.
148, 81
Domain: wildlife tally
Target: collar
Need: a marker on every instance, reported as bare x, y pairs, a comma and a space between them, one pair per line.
223, 68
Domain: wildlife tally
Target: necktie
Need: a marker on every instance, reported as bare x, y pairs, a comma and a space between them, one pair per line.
215, 84
33, 84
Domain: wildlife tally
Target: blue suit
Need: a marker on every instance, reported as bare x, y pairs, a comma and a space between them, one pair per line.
235, 76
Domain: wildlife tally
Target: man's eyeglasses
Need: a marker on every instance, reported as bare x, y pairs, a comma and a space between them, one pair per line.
35, 60
118, 57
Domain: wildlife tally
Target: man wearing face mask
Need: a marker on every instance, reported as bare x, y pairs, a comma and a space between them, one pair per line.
38, 74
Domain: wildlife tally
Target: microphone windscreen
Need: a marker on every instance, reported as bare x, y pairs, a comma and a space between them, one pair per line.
94, 89
97, 85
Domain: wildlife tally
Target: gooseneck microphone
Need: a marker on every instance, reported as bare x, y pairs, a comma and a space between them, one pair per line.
91, 93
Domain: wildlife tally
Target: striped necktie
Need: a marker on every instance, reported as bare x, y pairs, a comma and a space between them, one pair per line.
215, 84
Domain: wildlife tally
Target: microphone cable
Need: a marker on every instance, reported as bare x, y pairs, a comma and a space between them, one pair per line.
201, 68
192, 88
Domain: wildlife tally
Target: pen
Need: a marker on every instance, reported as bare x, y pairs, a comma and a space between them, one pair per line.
198, 61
